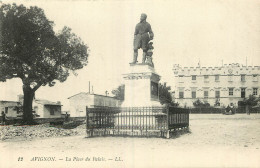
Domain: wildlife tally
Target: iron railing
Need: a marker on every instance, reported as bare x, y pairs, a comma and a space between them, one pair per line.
132, 119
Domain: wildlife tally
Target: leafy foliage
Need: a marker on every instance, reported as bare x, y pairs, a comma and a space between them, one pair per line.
199, 103
250, 101
164, 94
119, 92
32, 51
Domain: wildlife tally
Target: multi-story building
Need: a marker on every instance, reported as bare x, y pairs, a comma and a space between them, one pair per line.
215, 85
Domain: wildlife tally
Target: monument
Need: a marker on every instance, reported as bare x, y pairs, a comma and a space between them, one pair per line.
141, 82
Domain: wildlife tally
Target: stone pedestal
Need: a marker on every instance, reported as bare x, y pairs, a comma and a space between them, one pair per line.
141, 86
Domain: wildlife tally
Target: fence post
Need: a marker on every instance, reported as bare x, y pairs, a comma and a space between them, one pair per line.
87, 123
189, 117
167, 122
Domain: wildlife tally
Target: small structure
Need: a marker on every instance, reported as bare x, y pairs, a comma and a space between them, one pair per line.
9, 108
80, 101
47, 109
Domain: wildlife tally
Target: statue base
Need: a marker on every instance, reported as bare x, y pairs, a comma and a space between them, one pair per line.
141, 86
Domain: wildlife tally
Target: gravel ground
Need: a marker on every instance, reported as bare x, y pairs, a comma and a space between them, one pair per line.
214, 140
37, 131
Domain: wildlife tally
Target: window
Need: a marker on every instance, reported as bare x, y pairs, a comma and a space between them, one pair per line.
230, 78
243, 92
217, 94
193, 77
180, 78
206, 94
243, 78
230, 91
181, 94
193, 94
255, 91
6, 110
216, 77
51, 111
255, 77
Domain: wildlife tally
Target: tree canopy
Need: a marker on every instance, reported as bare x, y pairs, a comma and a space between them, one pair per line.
164, 94
199, 103
32, 51
250, 101
119, 93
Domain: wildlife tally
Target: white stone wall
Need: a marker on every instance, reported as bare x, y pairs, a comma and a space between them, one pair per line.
229, 77
45, 110
138, 86
39, 109
78, 104
11, 106
55, 109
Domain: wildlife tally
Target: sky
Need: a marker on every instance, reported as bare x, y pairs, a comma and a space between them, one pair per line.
185, 32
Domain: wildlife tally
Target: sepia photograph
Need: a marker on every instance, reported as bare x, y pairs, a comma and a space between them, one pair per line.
133, 83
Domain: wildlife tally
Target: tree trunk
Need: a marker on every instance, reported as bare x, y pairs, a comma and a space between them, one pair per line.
27, 105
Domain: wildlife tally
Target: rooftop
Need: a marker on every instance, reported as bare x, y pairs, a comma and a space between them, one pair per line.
87, 93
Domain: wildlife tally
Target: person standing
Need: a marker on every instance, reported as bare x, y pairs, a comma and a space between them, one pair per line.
66, 117
3, 118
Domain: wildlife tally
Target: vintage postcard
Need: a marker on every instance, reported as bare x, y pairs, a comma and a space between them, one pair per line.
129, 83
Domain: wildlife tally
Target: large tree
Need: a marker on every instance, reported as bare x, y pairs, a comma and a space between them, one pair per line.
32, 51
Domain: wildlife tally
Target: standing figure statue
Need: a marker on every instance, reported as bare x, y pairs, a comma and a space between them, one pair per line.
143, 34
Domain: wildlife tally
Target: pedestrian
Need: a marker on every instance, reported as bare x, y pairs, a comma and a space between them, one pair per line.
232, 108
3, 118
66, 117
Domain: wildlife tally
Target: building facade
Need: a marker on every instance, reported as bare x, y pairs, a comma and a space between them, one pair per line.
80, 101
46, 109
218, 86
9, 108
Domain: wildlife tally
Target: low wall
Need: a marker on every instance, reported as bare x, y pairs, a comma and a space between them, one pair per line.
212, 110
206, 110
62, 119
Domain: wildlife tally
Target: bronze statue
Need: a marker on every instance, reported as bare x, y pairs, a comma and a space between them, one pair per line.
143, 34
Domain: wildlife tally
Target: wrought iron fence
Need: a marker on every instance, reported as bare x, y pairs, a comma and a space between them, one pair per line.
136, 120
178, 117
